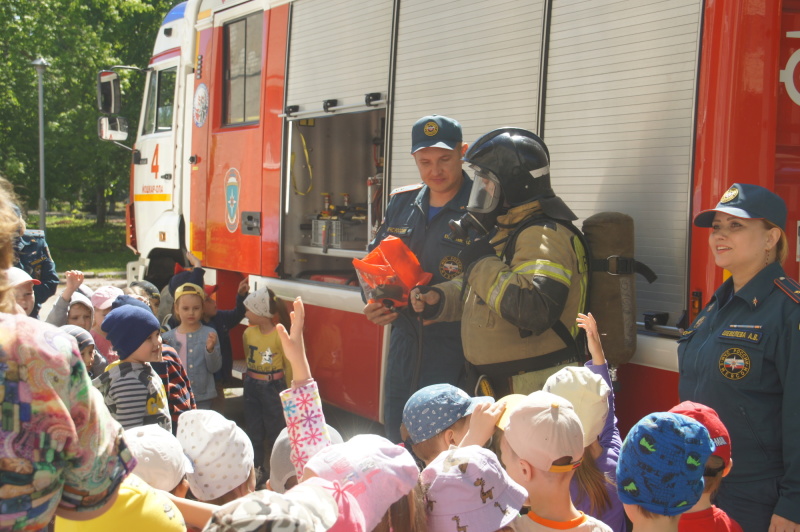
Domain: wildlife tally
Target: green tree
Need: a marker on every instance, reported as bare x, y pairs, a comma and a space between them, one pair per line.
78, 38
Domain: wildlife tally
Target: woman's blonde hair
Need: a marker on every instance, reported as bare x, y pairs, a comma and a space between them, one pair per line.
782, 247
592, 483
9, 229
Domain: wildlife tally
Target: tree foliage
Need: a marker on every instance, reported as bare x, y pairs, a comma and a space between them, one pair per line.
78, 38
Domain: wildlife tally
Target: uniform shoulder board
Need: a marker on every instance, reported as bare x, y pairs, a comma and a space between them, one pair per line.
407, 188
790, 287
34, 232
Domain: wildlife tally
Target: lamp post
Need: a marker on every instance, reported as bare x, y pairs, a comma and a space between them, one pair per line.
41, 64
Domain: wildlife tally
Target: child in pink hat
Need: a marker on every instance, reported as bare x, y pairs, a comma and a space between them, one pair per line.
102, 299
374, 470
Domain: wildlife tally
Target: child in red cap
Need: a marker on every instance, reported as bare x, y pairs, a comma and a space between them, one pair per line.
704, 516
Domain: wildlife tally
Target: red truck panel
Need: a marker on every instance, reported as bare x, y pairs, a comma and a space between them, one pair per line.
737, 124
343, 350
277, 22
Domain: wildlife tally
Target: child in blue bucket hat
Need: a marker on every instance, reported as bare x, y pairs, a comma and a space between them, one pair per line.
660, 469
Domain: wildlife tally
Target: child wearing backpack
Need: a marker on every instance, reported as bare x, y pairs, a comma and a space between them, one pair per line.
133, 391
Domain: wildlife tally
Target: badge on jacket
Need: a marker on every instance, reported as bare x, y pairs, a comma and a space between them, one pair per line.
734, 363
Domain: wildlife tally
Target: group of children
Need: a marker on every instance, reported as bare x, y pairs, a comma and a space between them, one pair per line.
564, 465
552, 460
146, 381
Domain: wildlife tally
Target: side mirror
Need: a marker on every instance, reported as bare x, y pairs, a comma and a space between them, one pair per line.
112, 128
108, 92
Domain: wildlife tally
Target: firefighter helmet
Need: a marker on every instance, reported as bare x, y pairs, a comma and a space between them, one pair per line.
518, 159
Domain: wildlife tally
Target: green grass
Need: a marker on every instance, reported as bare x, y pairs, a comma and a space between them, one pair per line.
78, 244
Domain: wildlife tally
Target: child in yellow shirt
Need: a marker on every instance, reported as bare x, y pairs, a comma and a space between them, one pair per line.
266, 371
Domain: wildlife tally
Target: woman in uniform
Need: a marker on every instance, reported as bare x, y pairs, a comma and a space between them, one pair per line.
741, 356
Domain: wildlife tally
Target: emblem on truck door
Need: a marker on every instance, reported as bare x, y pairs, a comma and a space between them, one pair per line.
232, 200
200, 105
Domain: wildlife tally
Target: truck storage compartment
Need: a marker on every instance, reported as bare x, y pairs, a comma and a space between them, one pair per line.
333, 193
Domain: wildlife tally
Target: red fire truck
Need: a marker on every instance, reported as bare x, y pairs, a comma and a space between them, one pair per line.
272, 132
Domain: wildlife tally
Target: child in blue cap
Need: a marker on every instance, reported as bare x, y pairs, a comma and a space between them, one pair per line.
436, 417
660, 469
133, 391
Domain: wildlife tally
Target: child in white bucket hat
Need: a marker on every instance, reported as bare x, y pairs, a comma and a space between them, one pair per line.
159, 458
221, 456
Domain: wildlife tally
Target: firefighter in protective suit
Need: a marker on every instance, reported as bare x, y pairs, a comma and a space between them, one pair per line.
525, 280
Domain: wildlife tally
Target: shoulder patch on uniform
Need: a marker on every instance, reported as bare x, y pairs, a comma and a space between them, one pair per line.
407, 188
790, 287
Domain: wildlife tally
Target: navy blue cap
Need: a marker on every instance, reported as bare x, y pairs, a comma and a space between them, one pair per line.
747, 201
194, 276
127, 327
126, 299
436, 408
435, 131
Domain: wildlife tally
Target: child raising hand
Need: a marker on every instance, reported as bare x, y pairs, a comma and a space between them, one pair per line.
294, 348
302, 407
592, 488
588, 324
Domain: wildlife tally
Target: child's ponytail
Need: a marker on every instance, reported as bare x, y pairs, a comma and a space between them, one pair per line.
592, 483
277, 307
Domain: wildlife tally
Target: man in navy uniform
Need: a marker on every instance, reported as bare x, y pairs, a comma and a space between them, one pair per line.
32, 255
419, 215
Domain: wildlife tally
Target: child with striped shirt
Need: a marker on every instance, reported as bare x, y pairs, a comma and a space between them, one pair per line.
133, 391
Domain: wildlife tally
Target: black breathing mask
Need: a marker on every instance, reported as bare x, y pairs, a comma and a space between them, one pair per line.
484, 206
480, 223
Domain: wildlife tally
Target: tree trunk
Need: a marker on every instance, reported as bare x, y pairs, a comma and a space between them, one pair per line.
101, 206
